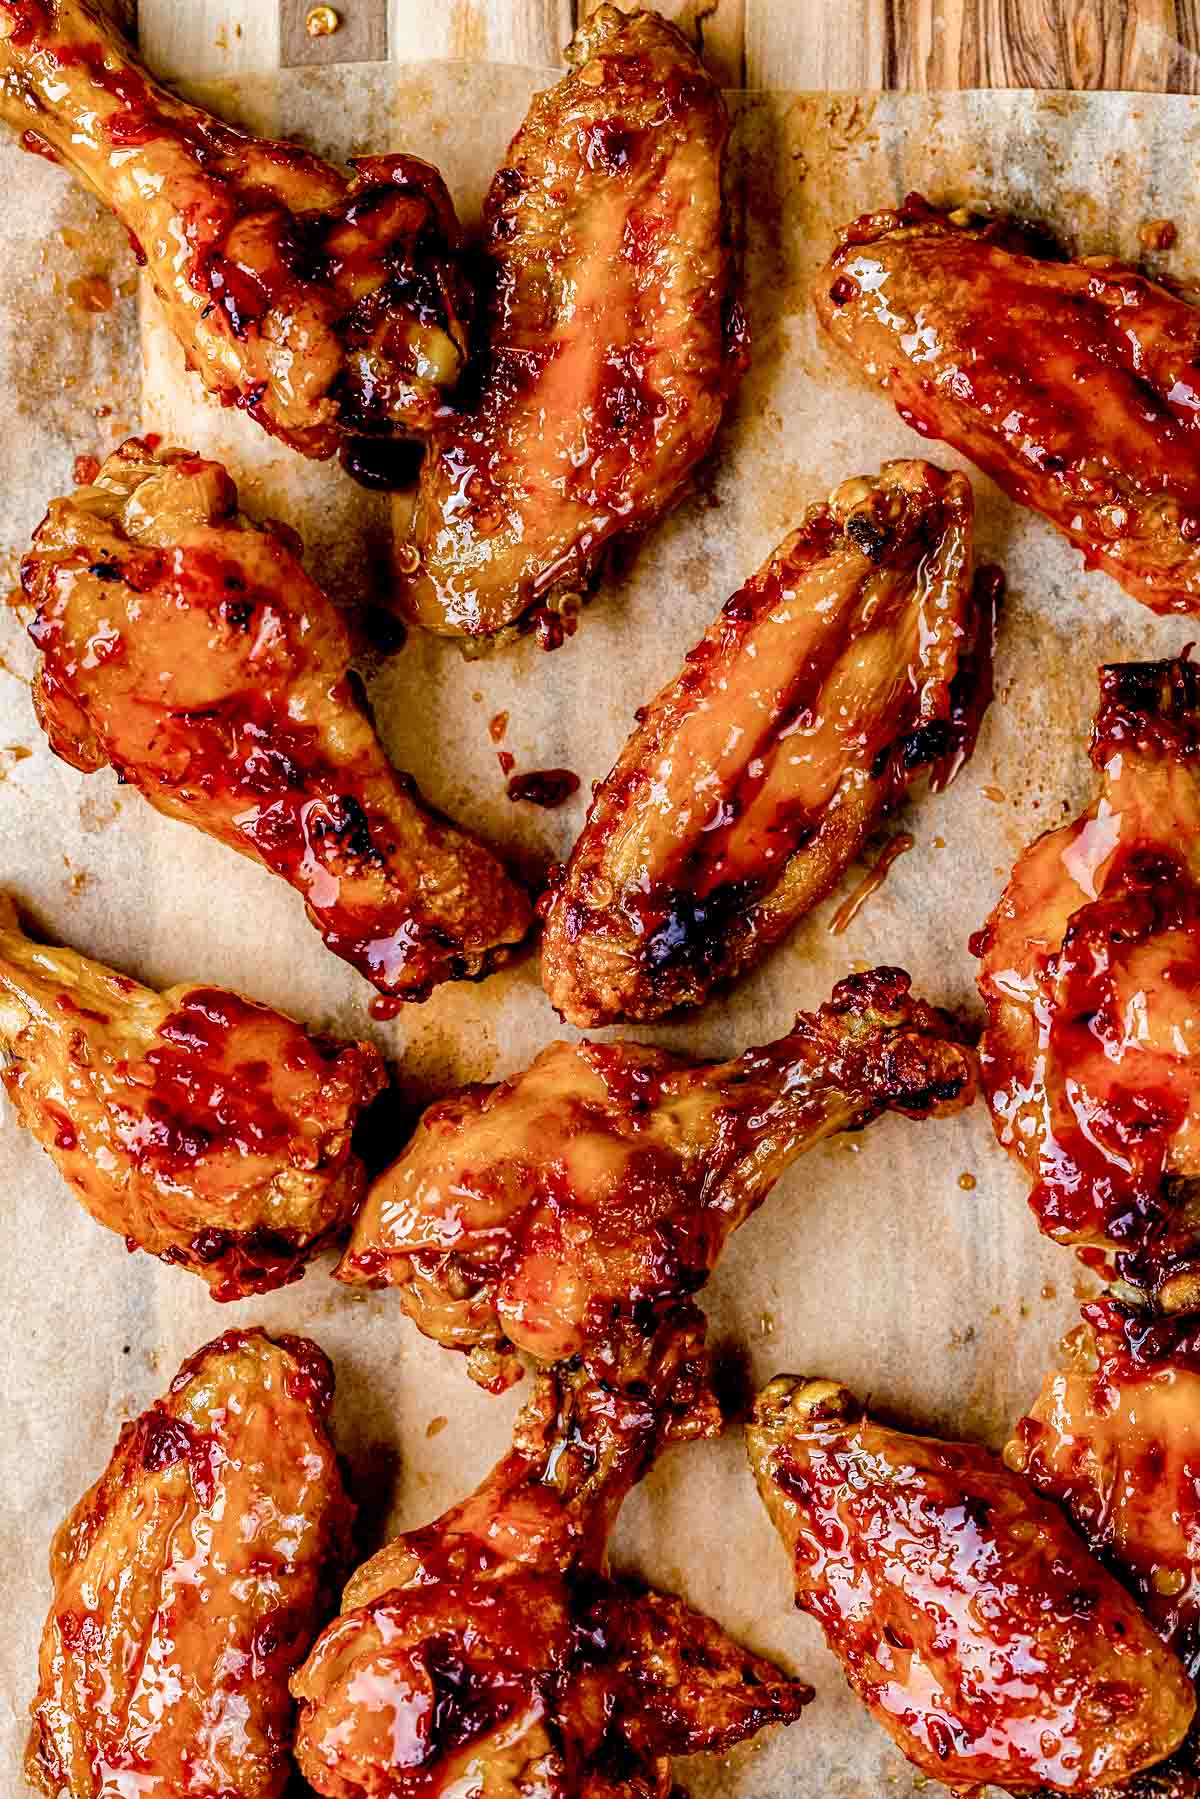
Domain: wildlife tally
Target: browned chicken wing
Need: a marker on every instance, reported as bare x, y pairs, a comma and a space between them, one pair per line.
1075, 385
968, 1616
190, 1581
1115, 1438
1091, 976
857, 657
604, 1180
188, 648
490, 1653
202, 1127
610, 349
322, 304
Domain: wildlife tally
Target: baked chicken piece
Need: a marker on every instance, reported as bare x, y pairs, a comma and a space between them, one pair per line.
856, 658
604, 1181
490, 1652
186, 647
323, 304
968, 1616
191, 1580
1072, 384
1090, 973
213, 1132
610, 342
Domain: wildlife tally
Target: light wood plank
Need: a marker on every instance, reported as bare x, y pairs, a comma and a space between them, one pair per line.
205, 38
521, 31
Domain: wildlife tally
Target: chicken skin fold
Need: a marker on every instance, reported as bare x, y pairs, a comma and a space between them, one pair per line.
610, 344
968, 1616
490, 1652
325, 305
856, 658
603, 1182
191, 1580
1090, 973
206, 1129
1072, 384
188, 648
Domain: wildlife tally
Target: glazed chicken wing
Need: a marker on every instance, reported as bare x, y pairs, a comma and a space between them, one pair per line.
324, 305
1090, 974
202, 1127
190, 1581
604, 1180
610, 349
857, 656
1073, 384
188, 648
490, 1652
968, 1616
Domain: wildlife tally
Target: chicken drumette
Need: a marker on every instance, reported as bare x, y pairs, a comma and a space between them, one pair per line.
188, 648
967, 1614
324, 305
604, 1181
1091, 976
857, 657
610, 343
202, 1127
1073, 384
490, 1652
191, 1580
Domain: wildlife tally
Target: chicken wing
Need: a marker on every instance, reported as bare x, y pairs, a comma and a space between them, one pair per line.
189, 649
206, 1129
604, 1180
489, 1652
1073, 384
191, 1580
968, 1616
1090, 974
611, 346
858, 655
324, 305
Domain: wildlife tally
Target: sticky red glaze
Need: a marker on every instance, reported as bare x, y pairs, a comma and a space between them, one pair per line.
215, 676
1075, 385
191, 1580
547, 787
967, 1614
1091, 976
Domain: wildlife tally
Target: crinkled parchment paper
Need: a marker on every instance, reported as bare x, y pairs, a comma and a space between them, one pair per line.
877, 1259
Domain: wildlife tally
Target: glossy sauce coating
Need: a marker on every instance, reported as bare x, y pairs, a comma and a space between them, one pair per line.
605, 1180
202, 1127
489, 1653
857, 658
1075, 385
610, 346
190, 650
1090, 973
322, 304
968, 1616
190, 1581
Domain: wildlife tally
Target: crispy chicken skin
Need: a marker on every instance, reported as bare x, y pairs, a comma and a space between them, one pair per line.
603, 1182
610, 343
1090, 973
191, 1580
322, 304
188, 648
490, 1653
858, 656
206, 1129
1114, 1437
1074, 385
969, 1618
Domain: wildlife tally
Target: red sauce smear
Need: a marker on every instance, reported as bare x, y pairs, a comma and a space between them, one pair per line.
548, 787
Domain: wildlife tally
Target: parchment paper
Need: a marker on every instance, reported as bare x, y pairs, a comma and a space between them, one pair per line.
873, 1261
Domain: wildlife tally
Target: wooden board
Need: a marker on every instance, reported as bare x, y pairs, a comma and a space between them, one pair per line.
1151, 45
